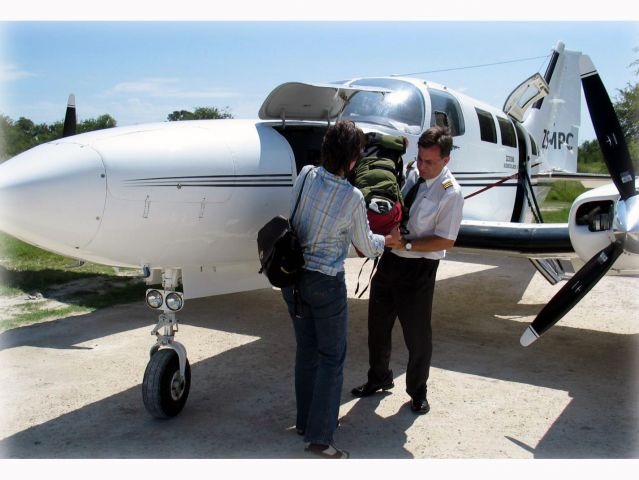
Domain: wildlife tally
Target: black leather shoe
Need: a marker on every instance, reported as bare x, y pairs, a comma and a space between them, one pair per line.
368, 389
419, 406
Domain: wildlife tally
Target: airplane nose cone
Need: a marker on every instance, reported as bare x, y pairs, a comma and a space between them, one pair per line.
53, 196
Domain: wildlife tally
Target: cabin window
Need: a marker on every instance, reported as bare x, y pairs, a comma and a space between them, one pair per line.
401, 108
507, 130
486, 126
533, 146
446, 112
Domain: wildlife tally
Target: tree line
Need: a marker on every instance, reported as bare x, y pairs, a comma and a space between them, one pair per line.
626, 104
16, 136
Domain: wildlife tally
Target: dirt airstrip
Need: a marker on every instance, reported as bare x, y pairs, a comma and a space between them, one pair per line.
71, 387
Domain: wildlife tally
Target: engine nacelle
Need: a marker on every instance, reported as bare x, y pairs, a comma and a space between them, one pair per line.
594, 224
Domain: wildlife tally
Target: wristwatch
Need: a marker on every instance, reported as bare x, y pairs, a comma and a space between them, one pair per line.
407, 245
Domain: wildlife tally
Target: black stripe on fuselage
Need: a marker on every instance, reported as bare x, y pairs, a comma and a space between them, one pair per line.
258, 180
273, 176
487, 185
228, 185
215, 176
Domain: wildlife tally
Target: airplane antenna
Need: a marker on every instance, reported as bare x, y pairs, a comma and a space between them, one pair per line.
469, 66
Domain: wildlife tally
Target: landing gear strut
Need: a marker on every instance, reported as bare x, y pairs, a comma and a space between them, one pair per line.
167, 378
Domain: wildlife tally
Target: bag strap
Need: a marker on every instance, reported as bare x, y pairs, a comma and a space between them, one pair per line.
299, 196
375, 262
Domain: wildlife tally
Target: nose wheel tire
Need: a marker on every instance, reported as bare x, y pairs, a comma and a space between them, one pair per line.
164, 392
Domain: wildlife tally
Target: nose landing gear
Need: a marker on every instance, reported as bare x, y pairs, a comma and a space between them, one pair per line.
167, 378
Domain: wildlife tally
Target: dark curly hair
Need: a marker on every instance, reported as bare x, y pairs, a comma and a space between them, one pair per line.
342, 143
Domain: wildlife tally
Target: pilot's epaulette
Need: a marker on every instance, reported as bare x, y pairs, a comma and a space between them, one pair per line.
447, 183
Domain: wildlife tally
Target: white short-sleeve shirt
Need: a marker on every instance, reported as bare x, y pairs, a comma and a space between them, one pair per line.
437, 210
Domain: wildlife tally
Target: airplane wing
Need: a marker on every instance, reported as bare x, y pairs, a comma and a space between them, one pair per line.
544, 244
530, 240
588, 180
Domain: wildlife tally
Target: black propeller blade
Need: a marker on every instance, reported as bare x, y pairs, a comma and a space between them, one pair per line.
70, 118
617, 157
572, 292
609, 134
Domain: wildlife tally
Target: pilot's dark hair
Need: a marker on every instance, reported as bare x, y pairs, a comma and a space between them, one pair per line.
342, 142
439, 136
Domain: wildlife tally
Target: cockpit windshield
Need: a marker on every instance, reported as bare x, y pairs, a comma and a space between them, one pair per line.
402, 108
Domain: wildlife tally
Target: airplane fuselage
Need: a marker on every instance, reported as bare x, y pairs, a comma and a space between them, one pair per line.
192, 195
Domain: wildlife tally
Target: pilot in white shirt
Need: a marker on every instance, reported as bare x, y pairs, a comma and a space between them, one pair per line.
437, 210
404, 283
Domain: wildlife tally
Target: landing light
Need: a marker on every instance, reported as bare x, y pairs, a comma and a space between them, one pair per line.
154, 298
174, 301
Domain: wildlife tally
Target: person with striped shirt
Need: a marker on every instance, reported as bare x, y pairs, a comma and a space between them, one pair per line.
331, 214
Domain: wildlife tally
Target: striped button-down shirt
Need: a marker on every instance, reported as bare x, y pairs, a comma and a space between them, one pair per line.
331, 214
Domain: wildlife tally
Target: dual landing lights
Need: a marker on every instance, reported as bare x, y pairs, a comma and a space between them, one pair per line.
167, 378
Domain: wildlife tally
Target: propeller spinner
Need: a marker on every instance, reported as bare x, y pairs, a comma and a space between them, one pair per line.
625, 231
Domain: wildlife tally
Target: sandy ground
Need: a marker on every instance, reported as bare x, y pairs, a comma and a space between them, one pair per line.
71, 387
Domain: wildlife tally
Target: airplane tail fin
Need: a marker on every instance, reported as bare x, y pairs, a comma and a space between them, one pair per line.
554, 120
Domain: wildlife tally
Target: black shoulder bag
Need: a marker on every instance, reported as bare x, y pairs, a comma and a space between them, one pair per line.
279, 249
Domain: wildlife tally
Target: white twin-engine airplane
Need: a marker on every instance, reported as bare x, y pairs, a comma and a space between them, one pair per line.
184, 200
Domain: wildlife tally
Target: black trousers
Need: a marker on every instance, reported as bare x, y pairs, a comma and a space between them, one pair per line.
402, 288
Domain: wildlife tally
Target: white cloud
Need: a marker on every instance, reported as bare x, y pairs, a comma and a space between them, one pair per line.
167, 88
10, 73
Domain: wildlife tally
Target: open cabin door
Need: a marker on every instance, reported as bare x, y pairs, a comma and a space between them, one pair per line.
310, 101
528, 92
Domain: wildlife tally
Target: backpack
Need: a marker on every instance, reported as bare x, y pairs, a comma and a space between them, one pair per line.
378, 174
279, 249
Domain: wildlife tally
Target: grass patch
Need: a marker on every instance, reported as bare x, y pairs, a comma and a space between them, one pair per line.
20, 256
556, 216
111, 296
34, 313
556, 206
7, 291
565, 191
25, 269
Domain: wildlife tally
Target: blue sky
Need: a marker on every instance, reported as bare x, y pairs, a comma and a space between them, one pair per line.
141, 71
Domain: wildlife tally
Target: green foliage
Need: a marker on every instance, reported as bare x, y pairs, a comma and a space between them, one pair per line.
559, 215
565, 191
25, 269
180, 115
626, 105
627, 108
590, 158
200, 113
100, 123
20, 256
30, 314
22, 134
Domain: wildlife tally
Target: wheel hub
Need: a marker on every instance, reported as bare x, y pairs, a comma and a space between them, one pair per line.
177, 386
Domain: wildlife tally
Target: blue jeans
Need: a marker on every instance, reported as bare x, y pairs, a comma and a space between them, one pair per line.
320, 332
